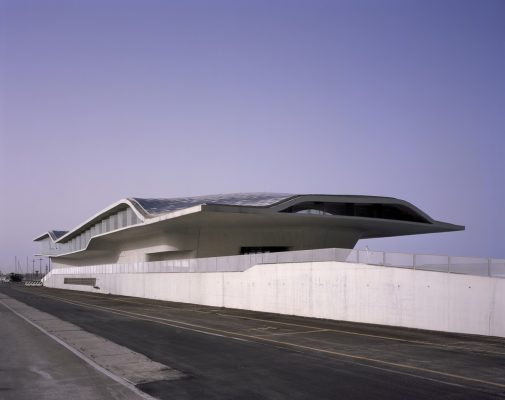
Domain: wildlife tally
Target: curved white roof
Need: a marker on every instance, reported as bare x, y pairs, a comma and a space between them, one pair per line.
152, 209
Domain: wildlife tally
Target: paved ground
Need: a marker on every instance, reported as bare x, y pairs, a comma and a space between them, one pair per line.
234, 354
34, 366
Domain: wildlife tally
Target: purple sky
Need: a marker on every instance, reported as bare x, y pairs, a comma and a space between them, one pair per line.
107, 99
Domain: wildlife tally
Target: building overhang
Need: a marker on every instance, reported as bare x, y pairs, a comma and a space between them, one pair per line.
239, 218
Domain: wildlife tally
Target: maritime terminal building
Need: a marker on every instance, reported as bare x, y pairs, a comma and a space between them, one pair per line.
280, 253
143, 230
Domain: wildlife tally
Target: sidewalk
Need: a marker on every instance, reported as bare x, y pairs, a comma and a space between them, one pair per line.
34, 366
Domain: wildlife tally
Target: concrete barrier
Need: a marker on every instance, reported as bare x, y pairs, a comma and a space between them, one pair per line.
333, 290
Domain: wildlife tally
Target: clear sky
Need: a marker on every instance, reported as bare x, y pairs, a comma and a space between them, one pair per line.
102, 100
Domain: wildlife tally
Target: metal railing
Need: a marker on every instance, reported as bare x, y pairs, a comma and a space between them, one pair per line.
439, 263
425, 262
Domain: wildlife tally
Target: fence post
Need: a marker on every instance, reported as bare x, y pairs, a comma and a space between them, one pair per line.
489, 266
383, 258
414, 260
357, 252
448, 263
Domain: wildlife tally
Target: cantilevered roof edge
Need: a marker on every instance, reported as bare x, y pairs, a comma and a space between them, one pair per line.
276, 206
100, 215
54, 234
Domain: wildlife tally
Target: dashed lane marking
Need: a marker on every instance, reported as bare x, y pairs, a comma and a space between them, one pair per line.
292, 333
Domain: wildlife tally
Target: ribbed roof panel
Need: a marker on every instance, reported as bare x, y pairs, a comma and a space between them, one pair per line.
160, 206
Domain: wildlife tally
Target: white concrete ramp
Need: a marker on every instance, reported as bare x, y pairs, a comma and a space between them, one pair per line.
344, 291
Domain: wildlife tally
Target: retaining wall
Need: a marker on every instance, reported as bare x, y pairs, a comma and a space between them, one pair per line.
332, 290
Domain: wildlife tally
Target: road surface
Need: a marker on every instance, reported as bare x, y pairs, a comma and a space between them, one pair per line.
236, 354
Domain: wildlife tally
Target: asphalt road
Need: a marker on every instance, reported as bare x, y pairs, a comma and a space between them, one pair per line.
235, 354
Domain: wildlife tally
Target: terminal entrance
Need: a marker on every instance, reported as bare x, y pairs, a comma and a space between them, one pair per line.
263, 249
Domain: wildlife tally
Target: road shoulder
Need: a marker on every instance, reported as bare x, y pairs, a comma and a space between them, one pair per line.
34, 345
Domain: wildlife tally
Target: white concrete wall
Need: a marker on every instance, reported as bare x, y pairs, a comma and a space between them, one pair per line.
137, 249
332, 290
132, 246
